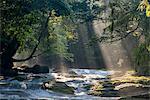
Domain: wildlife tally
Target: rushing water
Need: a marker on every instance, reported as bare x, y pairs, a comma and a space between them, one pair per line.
30, 88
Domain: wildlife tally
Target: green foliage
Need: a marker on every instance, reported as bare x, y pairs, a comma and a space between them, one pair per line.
127, 20
85, 10
142, 55
142, 60
61, 88
123, 19
24, 21
20, 22
57, 40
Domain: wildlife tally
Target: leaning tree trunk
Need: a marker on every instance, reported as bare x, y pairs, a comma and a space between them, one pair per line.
9, 50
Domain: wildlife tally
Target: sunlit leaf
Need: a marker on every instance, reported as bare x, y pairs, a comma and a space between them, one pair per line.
136, 34
148, 48
148, 11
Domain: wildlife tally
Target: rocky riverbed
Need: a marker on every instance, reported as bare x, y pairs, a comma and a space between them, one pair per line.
77, 84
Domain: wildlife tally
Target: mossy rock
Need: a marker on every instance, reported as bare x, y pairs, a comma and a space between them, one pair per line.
61, 87
95, 93
105, 89
95, 90
97, 87
131, 79
88, 87
145, 96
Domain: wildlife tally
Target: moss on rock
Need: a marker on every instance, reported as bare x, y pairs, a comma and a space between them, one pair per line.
60, 87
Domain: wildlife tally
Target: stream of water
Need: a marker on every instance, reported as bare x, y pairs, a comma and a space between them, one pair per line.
30, 88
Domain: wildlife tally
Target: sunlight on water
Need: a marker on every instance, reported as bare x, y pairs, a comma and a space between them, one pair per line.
78, 79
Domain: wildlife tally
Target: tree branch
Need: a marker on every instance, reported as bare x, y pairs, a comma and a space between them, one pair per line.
125, 35
36, 46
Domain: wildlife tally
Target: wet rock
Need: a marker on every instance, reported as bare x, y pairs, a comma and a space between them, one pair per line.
15, 84
4, 85
37, 69
9, 73
133, 90
142, 96
58, 87
72, 72
1, 77
104, 93
74, 76
75, 81
20, 78
108, 85
14, 94
95, 93
95, 90
21, 68
41, 79
32, 85
109, 93
104, 89
88, 87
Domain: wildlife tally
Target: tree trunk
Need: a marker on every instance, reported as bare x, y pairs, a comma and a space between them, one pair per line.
9, 50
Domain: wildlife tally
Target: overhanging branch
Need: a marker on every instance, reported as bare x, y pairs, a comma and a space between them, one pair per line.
36, 46
127, 34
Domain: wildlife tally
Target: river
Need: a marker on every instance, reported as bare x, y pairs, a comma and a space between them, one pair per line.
28, 86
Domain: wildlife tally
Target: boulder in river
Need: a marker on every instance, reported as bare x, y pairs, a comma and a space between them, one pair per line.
37, 69
134, 90
9, 73
20, 78
60, 87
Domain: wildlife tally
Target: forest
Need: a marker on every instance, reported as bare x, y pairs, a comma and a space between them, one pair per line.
75, 49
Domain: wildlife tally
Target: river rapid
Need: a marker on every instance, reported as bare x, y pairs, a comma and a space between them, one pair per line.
29, 86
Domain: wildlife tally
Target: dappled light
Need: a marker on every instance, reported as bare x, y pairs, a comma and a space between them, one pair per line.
75, 50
